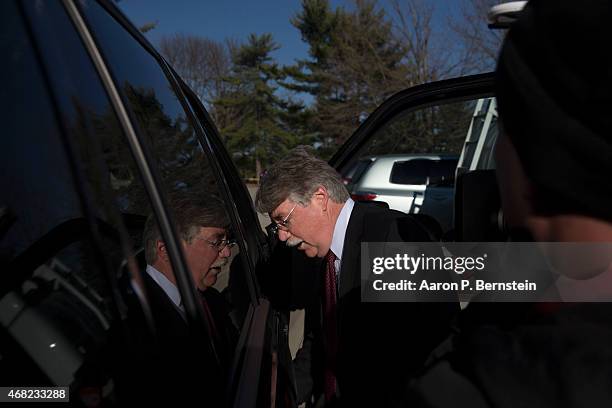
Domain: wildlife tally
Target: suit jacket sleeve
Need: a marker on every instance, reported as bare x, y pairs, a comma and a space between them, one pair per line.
302, 364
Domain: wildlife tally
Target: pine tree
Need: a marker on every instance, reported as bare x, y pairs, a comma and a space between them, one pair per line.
260, 129
355, 64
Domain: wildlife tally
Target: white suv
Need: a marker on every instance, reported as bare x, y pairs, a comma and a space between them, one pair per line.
412, 183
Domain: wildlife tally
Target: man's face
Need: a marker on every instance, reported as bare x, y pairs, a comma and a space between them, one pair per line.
307, 228
204, 260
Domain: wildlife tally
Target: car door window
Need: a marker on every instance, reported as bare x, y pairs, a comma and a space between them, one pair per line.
98, 164
64, 318
416, 151
414, 171
168, 130
439, 129
174, 140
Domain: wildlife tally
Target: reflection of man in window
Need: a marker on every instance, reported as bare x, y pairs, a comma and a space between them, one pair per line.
203, 233
202, 230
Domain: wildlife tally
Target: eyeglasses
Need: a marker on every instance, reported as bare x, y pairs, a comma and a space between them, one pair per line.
220, 244
282, 225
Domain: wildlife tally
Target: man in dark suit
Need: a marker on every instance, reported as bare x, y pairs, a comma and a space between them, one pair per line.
353, 353
202, 229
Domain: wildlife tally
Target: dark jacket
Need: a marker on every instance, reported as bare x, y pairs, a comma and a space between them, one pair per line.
190, 371
380, 344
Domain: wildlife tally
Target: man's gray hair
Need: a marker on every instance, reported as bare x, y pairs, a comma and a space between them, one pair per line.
297, 176
189, 214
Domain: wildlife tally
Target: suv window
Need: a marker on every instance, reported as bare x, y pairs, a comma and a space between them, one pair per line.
174, 142
413, 171
168, 129
421, 133
63, 313
423, 171
31, 149
73, 222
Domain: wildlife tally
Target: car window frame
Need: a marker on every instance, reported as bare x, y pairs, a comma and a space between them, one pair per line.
246, 375
411, 99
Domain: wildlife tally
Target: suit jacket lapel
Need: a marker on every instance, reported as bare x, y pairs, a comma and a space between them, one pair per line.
349, 268
161, 301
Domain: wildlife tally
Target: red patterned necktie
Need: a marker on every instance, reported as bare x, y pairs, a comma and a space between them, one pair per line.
330, 326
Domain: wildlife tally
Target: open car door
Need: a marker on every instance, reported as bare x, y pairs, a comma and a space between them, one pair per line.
455, 117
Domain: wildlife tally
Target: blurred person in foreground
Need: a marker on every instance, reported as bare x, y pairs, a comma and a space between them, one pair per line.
554, 161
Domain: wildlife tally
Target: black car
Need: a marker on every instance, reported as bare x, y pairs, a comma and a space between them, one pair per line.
97, 132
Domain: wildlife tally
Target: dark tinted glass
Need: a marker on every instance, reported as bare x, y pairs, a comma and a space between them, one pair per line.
167, 129
38, 192
443, 168
173, 139
413, 171
66, 318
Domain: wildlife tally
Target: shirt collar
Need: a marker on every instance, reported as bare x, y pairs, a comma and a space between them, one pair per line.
168, 287
337, 244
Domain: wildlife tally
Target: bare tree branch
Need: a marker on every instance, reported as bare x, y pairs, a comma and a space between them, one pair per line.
480, 44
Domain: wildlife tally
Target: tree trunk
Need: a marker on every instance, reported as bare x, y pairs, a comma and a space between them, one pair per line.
257, 169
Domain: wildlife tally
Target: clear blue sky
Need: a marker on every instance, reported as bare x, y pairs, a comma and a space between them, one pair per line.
220, 19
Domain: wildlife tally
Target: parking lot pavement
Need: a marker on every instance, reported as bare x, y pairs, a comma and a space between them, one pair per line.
296, 325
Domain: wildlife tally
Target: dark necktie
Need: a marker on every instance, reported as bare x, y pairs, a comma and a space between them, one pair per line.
210, 324
330, 325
